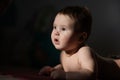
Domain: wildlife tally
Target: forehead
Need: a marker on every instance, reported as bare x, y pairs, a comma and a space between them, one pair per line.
63, 19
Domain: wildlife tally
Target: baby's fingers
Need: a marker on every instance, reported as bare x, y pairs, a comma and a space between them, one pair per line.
45, 71
54, 75
58, 74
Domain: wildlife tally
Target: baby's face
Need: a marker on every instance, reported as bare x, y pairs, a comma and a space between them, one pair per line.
63, 35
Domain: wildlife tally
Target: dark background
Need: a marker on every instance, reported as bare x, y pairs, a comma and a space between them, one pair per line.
25, 27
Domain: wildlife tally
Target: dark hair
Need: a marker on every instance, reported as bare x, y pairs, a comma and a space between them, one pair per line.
82, 17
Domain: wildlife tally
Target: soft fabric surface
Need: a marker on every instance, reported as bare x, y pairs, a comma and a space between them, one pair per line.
12, 77
12, 73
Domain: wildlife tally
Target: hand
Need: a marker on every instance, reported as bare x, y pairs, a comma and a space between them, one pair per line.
46, 71
58, 74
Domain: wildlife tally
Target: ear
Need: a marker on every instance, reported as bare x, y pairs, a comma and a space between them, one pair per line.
83, 37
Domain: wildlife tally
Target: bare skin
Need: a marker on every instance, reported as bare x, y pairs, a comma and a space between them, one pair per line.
74, 68
104, 68
80, 65
78, 61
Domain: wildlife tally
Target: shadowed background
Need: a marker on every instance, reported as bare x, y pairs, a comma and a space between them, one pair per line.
25, 27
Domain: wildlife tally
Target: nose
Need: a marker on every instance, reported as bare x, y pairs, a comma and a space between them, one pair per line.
57, 32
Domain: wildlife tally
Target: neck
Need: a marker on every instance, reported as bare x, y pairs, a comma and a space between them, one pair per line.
73, 50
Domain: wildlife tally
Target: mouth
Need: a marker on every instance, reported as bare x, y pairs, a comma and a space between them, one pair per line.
56, 41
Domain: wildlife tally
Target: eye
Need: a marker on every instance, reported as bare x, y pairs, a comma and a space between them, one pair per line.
54, 27
63, 29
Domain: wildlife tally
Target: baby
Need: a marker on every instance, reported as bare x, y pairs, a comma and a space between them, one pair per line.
71, 29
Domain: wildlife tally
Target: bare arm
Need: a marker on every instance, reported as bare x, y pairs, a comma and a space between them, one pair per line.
88, 64
87, 70
59, 66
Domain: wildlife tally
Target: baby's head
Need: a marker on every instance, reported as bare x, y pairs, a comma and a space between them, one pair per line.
81, 16
71, 27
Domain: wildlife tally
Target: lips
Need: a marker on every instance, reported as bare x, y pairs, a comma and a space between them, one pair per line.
56, 41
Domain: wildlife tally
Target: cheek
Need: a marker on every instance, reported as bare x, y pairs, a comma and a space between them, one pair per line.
52, 36
69, 42
66, 38
71, 39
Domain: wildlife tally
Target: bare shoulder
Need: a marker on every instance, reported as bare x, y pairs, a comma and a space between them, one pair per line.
85, 51
87, 58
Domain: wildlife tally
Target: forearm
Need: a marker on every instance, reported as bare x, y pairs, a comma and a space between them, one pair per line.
59, 66
82, 75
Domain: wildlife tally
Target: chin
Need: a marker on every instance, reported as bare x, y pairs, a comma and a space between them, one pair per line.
58, 48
